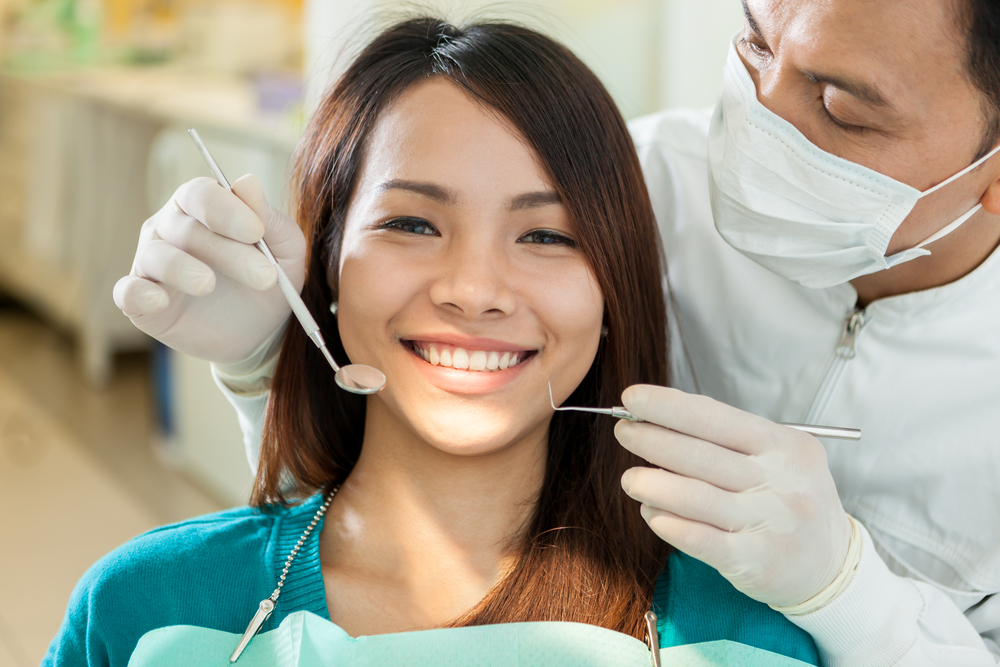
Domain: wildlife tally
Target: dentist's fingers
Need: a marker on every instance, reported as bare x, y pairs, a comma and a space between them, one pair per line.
161, 262
698, 540
707, 419
241, 262
283, 235
688, 498
688, 456
136, 296
219, 209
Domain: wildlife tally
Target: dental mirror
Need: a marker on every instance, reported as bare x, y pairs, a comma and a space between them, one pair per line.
355, 378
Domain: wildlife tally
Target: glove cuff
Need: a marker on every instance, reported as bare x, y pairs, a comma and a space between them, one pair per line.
839, 583
252, 376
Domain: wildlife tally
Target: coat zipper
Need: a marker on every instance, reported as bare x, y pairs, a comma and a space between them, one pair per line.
846, 350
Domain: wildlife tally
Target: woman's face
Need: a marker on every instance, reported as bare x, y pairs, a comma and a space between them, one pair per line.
461, 278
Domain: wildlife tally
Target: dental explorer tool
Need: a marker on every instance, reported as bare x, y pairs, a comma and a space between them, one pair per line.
834, 432
355, 378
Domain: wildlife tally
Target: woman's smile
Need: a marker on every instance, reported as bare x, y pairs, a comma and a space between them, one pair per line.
464, 365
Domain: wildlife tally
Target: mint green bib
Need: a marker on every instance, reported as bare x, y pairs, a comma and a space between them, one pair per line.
305, 640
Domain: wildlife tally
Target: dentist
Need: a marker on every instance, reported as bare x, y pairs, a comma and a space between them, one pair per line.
831, 233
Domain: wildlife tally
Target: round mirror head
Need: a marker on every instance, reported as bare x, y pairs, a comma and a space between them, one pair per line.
359, 379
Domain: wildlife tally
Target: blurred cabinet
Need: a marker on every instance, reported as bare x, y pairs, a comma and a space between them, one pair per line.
86, 158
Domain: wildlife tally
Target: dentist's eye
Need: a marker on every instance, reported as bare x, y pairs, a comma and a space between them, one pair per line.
754, 45
547, 237
410, 225
847, 127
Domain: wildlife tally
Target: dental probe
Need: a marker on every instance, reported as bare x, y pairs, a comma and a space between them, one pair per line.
835, 432
355, 378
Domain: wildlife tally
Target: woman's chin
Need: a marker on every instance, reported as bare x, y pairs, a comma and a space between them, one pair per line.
474, 431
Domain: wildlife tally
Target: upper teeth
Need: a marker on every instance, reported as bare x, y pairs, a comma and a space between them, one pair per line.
459, 357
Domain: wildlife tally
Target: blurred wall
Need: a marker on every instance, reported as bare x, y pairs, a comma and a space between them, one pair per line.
651, 54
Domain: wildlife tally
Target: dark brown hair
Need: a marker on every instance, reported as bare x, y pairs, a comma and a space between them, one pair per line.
587, 555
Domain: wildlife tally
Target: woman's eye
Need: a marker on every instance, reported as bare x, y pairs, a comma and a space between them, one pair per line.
547, 237
411, 225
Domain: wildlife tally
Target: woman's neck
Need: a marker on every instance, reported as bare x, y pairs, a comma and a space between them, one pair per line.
417, 536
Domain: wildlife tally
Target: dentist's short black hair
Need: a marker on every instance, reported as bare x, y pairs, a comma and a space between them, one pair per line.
981, 19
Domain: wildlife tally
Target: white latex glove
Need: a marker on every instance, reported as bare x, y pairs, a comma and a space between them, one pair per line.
198, 284
753, 499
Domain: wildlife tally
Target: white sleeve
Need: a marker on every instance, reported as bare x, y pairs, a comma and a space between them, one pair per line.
248, 395
884, 620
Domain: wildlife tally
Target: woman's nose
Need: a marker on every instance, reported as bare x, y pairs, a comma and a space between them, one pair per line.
474, 281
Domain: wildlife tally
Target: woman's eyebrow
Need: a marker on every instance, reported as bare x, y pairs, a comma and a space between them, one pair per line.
533, 200
429, 190
445, 196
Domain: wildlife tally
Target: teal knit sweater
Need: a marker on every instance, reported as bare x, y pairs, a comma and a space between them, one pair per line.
213, 571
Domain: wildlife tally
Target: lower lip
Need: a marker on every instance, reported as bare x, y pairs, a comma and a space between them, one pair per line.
467, 382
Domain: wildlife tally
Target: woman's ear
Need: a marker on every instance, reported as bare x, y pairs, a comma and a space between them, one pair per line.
991, 200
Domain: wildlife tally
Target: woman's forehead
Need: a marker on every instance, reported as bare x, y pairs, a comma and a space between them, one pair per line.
436, 132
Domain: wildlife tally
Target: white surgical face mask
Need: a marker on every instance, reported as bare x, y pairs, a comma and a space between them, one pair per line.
795, 209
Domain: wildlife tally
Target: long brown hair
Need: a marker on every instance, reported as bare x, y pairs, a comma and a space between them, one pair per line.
587, 555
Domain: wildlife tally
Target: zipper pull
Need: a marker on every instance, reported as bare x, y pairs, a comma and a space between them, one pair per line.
852, 327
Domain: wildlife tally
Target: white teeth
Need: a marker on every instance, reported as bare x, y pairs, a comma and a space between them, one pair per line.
477, 361
462, 359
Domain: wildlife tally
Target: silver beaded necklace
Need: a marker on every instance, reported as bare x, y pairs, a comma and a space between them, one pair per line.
267, 604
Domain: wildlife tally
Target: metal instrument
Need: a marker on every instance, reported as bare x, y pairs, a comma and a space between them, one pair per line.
836, 432
355, 378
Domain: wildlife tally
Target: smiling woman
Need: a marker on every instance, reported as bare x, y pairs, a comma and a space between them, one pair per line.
472, 203
497, 208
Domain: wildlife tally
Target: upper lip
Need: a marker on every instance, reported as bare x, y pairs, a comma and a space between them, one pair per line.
468, 342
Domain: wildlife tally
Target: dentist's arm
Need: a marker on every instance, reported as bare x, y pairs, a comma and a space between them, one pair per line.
756, 501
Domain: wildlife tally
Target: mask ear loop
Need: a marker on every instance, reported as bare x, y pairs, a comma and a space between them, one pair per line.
948, 229
971, 167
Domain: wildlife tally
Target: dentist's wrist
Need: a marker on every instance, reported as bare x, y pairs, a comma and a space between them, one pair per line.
839, 583
253, 375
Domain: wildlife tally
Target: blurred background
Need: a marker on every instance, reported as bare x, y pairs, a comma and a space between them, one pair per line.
104, 434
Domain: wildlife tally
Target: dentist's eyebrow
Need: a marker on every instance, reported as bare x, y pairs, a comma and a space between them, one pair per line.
863, 91
751, 21
534, 200
429, 190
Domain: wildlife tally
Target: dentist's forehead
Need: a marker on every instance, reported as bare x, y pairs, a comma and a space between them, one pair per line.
889, 51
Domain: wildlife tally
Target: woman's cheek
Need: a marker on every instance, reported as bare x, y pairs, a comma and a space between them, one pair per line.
569, 300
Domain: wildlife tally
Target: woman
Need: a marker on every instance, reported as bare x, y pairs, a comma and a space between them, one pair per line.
476, 218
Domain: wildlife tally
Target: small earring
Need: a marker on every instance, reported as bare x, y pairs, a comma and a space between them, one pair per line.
333, 308
604, 332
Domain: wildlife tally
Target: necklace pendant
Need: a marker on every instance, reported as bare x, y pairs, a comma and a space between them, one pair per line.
263, 612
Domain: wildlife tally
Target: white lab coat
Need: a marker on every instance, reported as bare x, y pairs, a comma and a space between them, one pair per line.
923, 385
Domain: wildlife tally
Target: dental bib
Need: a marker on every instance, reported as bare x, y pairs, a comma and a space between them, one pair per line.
305, 640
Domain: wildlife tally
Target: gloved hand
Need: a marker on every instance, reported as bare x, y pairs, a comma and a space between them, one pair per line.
198, 284
753, 499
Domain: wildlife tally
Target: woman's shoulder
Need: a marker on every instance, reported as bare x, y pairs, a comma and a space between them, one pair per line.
694, 603
209, 571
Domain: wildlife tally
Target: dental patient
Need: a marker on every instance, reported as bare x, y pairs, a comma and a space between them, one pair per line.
477, 226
